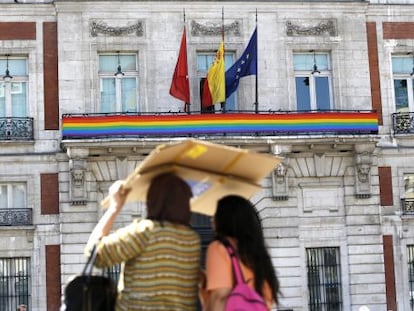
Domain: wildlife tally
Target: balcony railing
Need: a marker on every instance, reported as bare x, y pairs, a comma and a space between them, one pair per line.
403, 123
16, 217
407, 206
85, 126
15, 128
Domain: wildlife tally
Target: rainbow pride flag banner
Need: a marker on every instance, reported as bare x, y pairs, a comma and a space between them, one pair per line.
120, 125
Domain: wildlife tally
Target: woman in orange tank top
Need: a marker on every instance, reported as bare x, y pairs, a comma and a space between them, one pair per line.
237, 220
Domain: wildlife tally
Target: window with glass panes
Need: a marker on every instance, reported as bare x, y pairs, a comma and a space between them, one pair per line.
15, 283
13, 87
324, 279
408, 194
12, 195
118, 79
13, 209
410, 264
204, 61
313, 87
403, 71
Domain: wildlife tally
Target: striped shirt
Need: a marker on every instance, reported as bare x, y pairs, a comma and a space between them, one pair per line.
160, 265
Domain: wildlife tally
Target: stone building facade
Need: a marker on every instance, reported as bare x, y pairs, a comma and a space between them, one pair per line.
337, 213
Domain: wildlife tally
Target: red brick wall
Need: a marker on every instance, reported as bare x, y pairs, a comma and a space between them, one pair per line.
49, 194
374, 69
17, 31
402, 30
385, 183
388, 248
50, 75
53, 277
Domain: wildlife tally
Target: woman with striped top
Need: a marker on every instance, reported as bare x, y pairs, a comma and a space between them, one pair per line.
160, 255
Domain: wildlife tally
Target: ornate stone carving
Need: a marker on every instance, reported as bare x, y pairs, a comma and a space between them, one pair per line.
77, 181
212, 29
280, 183
363, 175
323, 27
100, 27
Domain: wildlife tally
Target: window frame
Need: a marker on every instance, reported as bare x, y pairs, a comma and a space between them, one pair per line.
319, 291
10, 194
11, 264
306, 74
6, 85
202, 74
410, 273
118, 79
408, 78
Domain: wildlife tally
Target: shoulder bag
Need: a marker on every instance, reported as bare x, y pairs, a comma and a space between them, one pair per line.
89, 292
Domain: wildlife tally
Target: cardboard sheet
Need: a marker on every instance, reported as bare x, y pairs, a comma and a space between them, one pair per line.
212, 171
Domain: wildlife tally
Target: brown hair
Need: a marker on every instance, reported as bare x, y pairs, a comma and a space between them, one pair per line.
168, 199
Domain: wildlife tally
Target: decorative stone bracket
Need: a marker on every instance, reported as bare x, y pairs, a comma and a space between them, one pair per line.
280, 183
363, 162
279, 174
77, 172
77, 182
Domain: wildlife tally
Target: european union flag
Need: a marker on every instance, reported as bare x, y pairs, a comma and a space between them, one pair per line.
246, 65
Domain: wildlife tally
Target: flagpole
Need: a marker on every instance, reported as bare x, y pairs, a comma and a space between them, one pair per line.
186, 105
224, 52
257, 73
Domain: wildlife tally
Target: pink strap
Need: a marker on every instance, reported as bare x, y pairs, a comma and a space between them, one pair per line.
235, 264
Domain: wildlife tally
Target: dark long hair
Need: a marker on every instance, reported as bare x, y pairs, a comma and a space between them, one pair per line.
237, 218
168, 199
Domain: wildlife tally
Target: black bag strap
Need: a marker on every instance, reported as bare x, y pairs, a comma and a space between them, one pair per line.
87, 270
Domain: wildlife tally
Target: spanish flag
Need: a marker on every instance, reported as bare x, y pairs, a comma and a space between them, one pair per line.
214, 90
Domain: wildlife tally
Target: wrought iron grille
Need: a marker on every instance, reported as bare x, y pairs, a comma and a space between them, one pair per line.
14, 128
403, 123
16, 217
410, 259
407, 206
15, 283
324, 279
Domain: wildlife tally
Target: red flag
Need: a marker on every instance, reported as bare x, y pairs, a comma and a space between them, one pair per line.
180, 87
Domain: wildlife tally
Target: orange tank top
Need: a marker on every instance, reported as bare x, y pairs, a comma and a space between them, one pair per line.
219, 271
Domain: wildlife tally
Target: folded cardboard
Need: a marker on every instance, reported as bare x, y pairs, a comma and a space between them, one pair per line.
212, 171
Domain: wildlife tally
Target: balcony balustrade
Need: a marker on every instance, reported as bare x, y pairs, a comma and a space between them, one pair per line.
15, 128
407, 206
266, 123
16, 217
403, 123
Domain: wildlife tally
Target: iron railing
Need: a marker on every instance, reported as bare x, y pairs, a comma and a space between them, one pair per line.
14, 128
407, 206
16, 217
324, 279
410, 266
403, 123
15, 281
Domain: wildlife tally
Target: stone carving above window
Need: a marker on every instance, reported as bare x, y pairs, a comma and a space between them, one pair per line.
363, 175
78, 192
100, 27
280, 183
302, 28
214, 29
